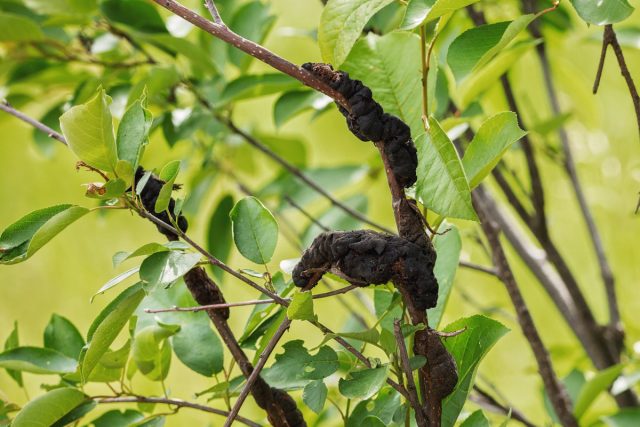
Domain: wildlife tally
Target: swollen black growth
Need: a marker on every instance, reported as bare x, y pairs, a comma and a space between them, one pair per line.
149, 195
369, 122
366, 257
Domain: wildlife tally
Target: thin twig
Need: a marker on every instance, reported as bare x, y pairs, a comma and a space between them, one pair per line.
225, 34
610, 38
213, 10
174, 402
486, 401
213, 260
450, 334
406, 367
301, 175
343, 290
262, 360
4, 106
476, 267
225, 332
306, 214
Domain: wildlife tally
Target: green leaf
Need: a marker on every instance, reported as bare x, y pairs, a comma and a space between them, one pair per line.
420, 12
390, 67
255, 230
301, 307
63, 8
117, 418
133, 133
116, 281
45, 410
256, 85
11, 342
592, 389
168, 174
363, 384
603, 12
477, 419
151, 351
253, 22
468, 349
88, 129
314, 395
161, 269
442, 185
475, 47
296, 102
106, 327
199, 348
496, 135
448, 248
476, 84
26, 236
75, 414
61, 335
628, 417
37, 361
296, 367
341, 23
219, 235
16, 28
137, 14
382, 408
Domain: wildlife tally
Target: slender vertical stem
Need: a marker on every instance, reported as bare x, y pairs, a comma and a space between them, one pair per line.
262, 360
557, 394
406, 367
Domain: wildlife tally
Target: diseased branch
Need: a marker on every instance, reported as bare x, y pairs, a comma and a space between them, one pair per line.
173, 402
220, 322
557, 394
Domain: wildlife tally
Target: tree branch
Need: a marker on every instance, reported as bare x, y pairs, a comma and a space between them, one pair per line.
610, 38
174, 402
557, 394
4, 106
262, 360
483, 399
225, 34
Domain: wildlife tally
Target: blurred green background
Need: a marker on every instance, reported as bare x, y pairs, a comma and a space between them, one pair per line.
63, 276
